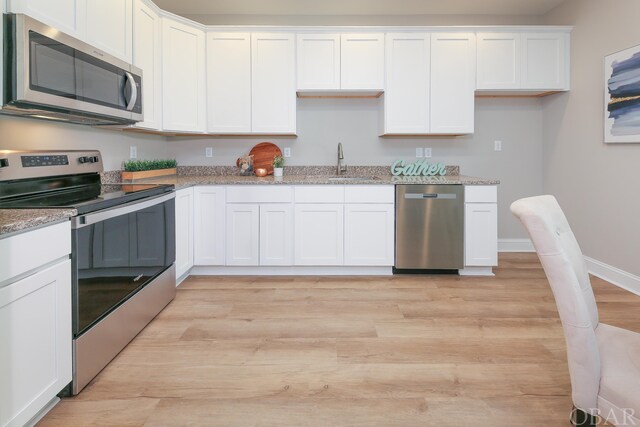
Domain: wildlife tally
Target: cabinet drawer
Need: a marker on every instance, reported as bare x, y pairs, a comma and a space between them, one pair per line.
480, 194
369, 194
259, 194
31, 249
319, 194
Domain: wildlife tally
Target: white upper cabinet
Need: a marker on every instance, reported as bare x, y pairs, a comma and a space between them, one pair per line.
108, 25
228, 82
362, 61
498, 61
65, 15
527, 62
273, 77
545, 61
453, 81
318, 61
407, 98
183, 76
147, 57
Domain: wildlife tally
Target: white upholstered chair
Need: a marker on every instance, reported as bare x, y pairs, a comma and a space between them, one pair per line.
604, 361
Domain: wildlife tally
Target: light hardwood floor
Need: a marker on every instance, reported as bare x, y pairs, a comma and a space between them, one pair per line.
357, 351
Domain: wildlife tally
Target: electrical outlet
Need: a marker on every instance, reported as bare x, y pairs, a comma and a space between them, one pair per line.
419, 152
208, 152
497, 145
427, 152
133, 152
287, 151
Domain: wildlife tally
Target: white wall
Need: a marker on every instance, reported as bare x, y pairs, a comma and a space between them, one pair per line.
30, 134
596, 183
322, 123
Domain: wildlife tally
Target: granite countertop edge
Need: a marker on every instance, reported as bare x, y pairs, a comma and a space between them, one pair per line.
185, 181
13, 221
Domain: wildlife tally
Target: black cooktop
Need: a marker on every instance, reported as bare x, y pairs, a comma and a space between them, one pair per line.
84, 195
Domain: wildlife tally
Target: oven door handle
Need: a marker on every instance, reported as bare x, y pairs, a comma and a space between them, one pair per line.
92, 218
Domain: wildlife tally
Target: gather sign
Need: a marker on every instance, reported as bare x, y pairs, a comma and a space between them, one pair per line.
418, 168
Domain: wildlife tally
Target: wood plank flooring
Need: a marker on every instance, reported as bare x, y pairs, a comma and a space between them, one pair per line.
354, 351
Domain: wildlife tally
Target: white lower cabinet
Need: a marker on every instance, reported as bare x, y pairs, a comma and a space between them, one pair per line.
276, 234
184, 231
369, 234
243, 234
319, 234
209, 225
35, 332
481, 226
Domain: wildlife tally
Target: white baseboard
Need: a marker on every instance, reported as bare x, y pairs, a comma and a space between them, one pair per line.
476, 271
515, 245
620, 278
290, 271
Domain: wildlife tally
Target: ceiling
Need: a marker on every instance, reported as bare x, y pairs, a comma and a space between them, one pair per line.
358, 7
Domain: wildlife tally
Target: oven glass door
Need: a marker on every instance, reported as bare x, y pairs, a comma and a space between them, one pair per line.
115, 258
58, 69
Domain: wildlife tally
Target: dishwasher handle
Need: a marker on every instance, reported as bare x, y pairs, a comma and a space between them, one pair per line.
431, 196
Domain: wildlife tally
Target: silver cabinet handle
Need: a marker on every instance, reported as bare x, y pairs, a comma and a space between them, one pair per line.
134, 91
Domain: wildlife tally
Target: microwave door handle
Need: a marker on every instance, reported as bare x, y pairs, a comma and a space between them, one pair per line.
134, 91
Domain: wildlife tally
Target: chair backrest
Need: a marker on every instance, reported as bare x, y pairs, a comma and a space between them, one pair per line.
566, 271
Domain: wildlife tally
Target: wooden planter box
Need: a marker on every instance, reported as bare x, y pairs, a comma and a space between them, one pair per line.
132, 176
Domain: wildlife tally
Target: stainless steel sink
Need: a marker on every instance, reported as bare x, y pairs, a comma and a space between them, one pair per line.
353, 178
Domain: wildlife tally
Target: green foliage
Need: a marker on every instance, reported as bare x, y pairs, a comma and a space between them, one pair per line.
278, 162
148, 165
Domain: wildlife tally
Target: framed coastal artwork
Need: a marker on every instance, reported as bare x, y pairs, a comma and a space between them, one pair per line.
622, 96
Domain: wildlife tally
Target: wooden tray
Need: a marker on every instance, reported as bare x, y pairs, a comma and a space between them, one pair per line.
263, 155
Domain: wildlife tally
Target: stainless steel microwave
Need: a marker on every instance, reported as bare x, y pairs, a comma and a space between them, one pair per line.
51, 75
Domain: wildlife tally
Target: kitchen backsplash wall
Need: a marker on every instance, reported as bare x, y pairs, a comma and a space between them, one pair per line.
30, 134
322, 123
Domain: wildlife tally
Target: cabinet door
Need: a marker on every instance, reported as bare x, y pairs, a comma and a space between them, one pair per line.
109, 25
319, 234
362, 61
453, 77
481, 234
369, 234
184, 231
276, 234
229, 82
63, 15
209, 225
498, 61
243, 222
183, 77
544, 60
35, 331
147, 57
273, 106
318, 61
406, 97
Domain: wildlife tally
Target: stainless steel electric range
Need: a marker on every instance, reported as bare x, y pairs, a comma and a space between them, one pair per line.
123, 247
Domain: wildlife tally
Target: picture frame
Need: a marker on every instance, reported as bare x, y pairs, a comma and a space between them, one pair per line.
622, 96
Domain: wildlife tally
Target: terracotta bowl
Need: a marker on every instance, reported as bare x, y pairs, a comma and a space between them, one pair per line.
261, 172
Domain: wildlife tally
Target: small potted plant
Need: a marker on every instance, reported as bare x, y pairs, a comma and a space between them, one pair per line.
278, 165
139, 169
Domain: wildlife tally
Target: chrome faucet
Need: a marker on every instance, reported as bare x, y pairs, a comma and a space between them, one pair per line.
342, 168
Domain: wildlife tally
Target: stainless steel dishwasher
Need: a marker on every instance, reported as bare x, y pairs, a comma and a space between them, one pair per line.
429, 227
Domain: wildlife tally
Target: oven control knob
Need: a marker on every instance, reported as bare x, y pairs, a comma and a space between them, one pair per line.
83, 159
94, 159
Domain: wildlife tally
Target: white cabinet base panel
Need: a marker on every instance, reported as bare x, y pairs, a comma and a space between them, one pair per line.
476, 271
291, 271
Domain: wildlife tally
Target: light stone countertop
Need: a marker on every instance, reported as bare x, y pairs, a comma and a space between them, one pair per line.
184, 181
19, 220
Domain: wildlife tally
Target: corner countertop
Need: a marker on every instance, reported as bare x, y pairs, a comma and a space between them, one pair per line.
19, 220
184, 181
